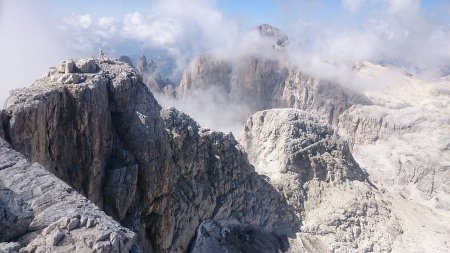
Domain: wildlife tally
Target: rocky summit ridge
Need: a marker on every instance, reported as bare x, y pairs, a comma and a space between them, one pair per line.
94, 124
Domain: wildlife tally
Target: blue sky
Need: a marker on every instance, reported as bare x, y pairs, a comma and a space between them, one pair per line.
269, 11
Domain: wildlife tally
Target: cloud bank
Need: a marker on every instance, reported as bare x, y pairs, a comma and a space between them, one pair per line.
403, 33
324, 38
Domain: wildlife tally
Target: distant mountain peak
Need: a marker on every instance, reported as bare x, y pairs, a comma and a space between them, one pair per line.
266, 30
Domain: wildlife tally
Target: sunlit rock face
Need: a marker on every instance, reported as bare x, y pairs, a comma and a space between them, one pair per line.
340, 208
405, 149
395, 123
312, 167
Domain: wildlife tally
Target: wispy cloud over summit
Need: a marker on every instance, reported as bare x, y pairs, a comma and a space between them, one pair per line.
399, 32
410, 34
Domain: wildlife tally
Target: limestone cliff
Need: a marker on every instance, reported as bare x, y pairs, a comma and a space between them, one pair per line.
264, 83
308, 163
341, 210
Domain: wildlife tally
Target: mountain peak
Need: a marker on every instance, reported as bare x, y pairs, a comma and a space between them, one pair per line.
269, 31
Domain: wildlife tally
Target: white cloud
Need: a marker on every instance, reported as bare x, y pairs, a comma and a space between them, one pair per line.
87, 33
29, 44
84, 21
397, 32
150, 30
182, 28
106, 22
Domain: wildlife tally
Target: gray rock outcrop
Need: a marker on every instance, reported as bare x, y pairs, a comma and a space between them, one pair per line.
313, 169
15, 215
293, 149
231, 236
214, 181
145, 67
281, 40
142, 65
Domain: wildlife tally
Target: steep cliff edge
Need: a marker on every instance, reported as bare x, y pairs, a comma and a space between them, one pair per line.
53, 217
94, 124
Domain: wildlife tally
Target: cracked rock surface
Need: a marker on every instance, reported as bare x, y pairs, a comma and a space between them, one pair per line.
56, 218
340, 209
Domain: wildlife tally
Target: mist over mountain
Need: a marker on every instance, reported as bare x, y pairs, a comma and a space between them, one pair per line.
225, 126
409, 34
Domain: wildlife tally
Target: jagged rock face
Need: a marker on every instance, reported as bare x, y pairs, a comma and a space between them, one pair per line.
126, 59
405, 149
147, 71
63, 221
314, 169
290, 143
262, 83
73, 129
103, 136
266, 30
60, 128
142, 65
95, 124
205, 72
213, 180
266, 81
145, 67
231, 236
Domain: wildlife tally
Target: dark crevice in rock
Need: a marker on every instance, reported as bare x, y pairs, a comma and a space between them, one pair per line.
4, 124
